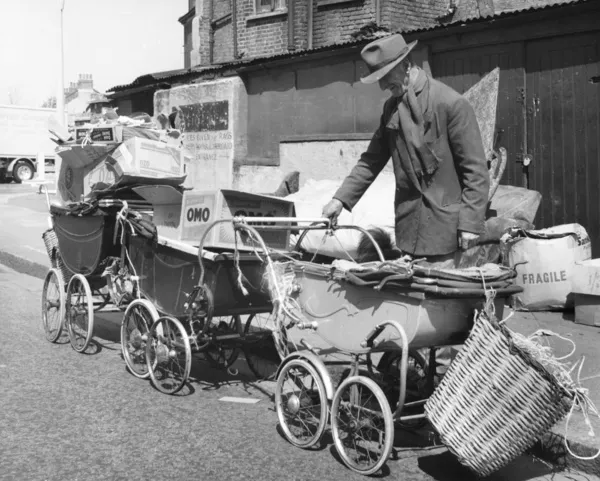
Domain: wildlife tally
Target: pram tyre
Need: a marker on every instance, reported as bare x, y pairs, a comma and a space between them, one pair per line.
168, 355
135, 328
223, 354
79, 313
261, 350
309, 406
345, 424
53, 301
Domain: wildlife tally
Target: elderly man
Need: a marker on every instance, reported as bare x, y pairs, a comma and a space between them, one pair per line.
431, 134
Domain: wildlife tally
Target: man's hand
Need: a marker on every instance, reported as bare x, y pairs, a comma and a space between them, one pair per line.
332, 210
466, 239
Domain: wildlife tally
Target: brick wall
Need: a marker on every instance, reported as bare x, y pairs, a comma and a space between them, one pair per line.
263, 36
335, 23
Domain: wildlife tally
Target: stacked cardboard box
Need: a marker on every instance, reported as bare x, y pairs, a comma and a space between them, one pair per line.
93, 168
586, 289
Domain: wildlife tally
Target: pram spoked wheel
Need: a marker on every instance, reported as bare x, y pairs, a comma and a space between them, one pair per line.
135, 328
168, 355
262, 351
224, 354
53, 304
362, 425
79, 312
301, 403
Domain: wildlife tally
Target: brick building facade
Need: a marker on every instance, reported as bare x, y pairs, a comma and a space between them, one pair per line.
221, 31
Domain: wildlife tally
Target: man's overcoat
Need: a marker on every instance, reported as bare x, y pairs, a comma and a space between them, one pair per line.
429, 209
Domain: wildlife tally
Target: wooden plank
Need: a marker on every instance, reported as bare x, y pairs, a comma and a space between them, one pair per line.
270, 97
525, 26
450, 69
323, 99
367, 103
564, 133
557, 139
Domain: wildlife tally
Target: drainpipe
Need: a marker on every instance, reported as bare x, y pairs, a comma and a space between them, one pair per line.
234, 27
211, 33
378, 12
291, 45
310, 24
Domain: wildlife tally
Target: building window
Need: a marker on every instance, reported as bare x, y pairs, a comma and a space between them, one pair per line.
267, 6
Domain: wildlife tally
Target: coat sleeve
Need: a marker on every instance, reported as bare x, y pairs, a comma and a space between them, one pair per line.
471, 165
366, 170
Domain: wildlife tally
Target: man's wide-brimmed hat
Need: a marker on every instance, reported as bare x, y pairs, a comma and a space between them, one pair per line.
383, 54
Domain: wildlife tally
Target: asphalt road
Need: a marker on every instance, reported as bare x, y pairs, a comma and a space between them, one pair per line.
68, 416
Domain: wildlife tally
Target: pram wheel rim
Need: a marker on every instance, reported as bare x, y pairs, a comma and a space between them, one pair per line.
294, 403
48, 304
82, 290
144, 305
179, 342
388, 425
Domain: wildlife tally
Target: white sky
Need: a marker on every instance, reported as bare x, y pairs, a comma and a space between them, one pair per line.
114, 40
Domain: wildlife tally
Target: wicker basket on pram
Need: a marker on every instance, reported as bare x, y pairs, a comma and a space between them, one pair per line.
51, 243
496, 399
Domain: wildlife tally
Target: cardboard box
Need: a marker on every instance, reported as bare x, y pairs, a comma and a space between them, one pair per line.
100, 134
98, 167
186, 217
587, 309
586, 277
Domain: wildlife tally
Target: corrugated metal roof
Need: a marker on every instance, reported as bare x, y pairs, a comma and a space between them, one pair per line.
468, 15
159, 77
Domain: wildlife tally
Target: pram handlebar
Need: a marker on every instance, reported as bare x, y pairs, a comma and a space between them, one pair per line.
271, 221
280, 223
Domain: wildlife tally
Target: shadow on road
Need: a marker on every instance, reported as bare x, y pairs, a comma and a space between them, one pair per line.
446, 467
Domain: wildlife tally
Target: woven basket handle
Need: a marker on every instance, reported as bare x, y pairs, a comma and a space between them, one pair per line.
540, 333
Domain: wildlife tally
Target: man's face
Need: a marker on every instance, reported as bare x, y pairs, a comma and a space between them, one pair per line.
396, 81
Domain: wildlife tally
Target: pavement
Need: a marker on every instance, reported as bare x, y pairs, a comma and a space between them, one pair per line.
24, 217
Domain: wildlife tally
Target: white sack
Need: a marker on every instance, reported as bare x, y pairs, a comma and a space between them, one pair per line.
375, 209
545, 266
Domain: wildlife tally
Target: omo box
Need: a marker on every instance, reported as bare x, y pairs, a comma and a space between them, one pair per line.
186, 217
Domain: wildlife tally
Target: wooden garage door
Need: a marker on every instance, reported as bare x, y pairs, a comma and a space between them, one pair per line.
462, 69
563, 125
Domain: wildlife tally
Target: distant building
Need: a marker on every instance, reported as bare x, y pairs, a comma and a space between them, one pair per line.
78, 96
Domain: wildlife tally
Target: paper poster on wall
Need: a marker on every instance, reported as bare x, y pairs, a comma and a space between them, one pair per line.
206, 116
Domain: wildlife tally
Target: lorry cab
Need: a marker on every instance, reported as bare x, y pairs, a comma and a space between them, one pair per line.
20, 169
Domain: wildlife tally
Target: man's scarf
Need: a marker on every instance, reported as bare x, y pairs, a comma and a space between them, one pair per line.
414, 119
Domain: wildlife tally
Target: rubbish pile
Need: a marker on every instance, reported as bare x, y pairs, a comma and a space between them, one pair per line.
99, 159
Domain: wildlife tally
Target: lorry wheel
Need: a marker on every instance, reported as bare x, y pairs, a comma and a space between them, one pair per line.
22, 171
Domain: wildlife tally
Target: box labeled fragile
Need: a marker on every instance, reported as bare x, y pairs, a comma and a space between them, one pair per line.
187, 217
545, 261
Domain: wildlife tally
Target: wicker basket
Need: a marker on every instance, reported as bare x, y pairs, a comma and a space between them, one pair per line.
51, 243
495, 401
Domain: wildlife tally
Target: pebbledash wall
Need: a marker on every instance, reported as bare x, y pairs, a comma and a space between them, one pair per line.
214, 124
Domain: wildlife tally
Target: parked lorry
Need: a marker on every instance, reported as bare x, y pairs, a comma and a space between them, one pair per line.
23, 134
